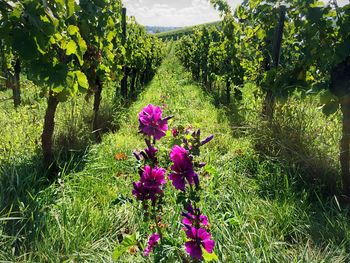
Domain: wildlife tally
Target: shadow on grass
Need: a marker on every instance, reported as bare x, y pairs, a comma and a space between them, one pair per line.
324, 217
290, 169
286, 141
288, 144
22, 208
299, 214
19, 208
228, 109
73, 142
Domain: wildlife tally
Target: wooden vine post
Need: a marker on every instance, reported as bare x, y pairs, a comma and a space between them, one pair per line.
269, 103
17, 85
340, 86
47, 134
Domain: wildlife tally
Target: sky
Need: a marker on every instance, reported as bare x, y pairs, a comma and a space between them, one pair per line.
177, 12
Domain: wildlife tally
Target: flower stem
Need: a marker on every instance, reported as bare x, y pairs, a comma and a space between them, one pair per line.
156, 222
196, 213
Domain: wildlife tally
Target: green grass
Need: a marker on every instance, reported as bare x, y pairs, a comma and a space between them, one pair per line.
259, 208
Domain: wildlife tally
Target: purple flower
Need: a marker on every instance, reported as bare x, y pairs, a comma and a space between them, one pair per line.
153, 178
194, 218
143, 193
139, 191
198, 238
182, 168
150, 184
152, 242
151, 122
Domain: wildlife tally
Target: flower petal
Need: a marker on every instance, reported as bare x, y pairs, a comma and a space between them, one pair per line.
203, 234
151, 122
208, 245
194, 250
192, 233
204, 220
187, 221
178, 181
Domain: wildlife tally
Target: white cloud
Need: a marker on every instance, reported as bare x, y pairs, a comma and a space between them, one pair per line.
178, 12
170, 14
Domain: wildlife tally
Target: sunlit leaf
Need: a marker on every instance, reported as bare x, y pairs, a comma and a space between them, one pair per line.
209, 257
71, 48
128, 241
82, 79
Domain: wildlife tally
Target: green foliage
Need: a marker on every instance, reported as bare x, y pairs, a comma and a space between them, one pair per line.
260, 209
100, 25
209, 257
261, 206
211, 54
58, 42
128, 242
177, 33
45, 41
70, 47
283, 47
143, 52
249, 37
222, 6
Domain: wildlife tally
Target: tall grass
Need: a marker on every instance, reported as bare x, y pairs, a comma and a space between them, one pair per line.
259, 208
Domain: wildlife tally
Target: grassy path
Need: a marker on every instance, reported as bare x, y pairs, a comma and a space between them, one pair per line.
257, 212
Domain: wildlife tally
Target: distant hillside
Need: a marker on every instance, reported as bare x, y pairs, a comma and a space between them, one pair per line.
160, 29
176, 33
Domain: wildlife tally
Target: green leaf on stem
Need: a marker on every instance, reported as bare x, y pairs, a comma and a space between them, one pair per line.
128, 241
209, 257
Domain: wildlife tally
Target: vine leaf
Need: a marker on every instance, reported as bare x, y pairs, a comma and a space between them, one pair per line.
71, 48
82, 79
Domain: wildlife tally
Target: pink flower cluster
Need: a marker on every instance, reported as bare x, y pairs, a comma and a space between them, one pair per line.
152, 177
195, 226
183, 176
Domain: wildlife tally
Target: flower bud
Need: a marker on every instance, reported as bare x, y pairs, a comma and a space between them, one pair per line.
137, 155
206, 140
